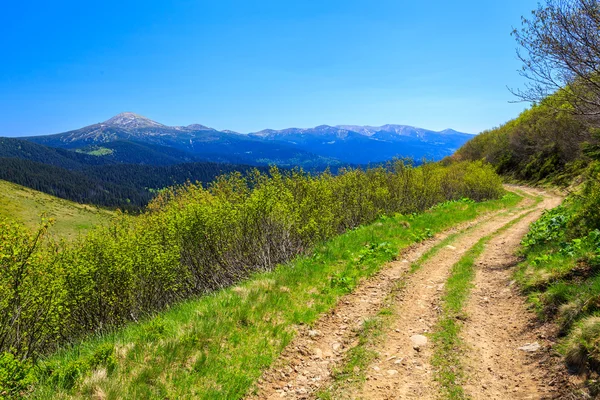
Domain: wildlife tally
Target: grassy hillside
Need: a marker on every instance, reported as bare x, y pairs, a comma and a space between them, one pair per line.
24, 205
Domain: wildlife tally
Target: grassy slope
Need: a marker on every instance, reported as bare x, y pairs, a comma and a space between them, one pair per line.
216, 347
560, 274
26, 206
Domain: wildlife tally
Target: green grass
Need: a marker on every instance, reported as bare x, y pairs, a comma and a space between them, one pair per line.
217, 346
26, 206
447, 343
97, 151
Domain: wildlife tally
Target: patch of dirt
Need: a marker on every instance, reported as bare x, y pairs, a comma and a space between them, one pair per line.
509, 354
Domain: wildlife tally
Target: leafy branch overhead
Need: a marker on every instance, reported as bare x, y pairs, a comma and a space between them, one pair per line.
560, 52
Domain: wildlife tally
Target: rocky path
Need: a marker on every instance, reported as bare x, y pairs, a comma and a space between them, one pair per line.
403, 370
503, 341
417, 314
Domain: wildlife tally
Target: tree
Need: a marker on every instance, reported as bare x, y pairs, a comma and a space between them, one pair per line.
560, 51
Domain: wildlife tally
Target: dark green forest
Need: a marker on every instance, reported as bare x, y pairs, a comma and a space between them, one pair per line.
94, 180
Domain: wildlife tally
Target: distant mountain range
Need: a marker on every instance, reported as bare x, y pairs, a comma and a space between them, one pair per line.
131, 138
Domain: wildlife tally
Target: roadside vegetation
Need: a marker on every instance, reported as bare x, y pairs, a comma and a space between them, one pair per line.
217, 346
557, 142
560, 275
193, 242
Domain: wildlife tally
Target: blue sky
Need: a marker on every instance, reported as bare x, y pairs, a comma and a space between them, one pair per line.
249, 65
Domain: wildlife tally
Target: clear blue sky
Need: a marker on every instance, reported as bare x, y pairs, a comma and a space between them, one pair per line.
249, 65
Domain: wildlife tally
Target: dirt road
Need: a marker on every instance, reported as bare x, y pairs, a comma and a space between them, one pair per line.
497, 324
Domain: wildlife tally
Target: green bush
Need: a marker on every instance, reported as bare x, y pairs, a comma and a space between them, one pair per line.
15, 376
550, 227
193, 240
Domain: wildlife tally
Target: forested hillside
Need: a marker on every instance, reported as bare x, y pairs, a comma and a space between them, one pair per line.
125, 186
128, 152
547, 142
72, 185
23, 149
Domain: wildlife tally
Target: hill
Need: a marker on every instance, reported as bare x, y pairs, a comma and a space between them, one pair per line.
72, 185
545, 143
25, 206
126, 186
309, 148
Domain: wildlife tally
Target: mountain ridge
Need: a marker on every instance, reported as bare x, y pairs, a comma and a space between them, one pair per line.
307, 147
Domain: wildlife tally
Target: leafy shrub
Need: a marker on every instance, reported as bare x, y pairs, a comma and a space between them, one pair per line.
193, 240
550, 227
15, 376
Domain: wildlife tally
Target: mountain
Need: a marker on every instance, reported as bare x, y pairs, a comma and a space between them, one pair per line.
199, 141
316, 147
367, 144
132, 121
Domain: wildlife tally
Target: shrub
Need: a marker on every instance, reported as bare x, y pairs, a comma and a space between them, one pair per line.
15, 376
193, 240
582, 347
